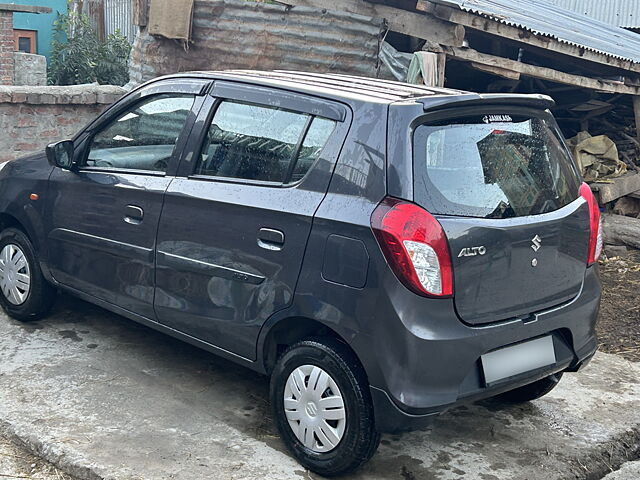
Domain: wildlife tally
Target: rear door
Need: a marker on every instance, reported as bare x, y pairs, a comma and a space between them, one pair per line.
502, 184
235, 223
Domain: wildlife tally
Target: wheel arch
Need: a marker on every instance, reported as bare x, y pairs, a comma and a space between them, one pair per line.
9, 221
9, 218
289, 330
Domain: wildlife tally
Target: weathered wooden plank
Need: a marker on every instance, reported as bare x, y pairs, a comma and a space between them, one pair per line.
544, 73
10, 7
635, 194
487, 25
621, 230
495, 70
140, 12
416, 24
636, 113
619, 187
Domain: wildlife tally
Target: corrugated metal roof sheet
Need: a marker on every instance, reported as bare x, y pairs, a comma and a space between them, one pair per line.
549, 20
621, 13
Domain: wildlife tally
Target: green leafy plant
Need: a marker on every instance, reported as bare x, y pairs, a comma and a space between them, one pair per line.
78, 56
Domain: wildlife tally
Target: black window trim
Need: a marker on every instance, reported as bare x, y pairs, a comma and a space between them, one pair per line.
184, 86
293, 102
295, 154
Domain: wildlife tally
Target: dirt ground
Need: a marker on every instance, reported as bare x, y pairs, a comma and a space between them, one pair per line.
17, 463
619, 325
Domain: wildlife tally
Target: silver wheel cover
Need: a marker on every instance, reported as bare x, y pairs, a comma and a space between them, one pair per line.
15, 277
314, 408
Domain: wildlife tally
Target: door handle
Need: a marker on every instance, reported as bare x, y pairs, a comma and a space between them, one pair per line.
133, 214
270, 239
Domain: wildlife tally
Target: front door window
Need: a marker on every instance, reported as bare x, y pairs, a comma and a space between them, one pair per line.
143, 138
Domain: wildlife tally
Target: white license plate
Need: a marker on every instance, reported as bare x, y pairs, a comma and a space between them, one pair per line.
521, 358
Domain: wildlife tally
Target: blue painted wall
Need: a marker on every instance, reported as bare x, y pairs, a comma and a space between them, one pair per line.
42, 23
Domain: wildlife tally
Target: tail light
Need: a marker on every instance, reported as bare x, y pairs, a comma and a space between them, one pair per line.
595, 228
415, 246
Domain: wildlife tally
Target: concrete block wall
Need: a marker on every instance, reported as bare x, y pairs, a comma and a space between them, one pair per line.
6, 47
33, 117
29, 69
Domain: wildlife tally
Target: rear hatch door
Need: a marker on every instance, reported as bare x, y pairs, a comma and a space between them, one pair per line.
506, 192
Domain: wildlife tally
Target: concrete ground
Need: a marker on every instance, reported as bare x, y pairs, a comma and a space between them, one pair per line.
103, 398
628, 471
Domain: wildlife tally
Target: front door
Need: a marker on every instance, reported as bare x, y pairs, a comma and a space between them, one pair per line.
237, 218
104, 214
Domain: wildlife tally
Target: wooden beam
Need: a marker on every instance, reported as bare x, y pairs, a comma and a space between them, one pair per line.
543, 73
493, 27
635, 195
10, 7
140, 12
442, 67
621, 230
415, 24
618, 187
495, 70
636, 112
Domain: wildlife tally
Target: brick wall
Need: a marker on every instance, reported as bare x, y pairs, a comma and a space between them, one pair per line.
33, 117
6, 47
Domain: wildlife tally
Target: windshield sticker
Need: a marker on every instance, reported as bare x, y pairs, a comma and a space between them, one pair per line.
497, 118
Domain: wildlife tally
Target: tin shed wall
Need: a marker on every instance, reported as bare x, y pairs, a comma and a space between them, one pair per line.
118, 15
232, 34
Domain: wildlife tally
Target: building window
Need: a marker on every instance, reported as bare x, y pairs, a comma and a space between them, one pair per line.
25, 41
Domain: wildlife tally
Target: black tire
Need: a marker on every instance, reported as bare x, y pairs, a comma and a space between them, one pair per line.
360, 439
532, 391
41, 294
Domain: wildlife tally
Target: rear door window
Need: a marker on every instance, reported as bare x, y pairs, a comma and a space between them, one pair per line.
260, 143
493, 166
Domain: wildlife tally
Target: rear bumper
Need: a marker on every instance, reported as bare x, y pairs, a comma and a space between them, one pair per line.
437, 366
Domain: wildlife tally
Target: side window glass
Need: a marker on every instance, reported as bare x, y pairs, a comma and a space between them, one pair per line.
251, 142
144, 138
315, 140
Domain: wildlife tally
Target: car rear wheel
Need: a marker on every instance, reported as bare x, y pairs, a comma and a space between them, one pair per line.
322, 406
24, 293
532, 391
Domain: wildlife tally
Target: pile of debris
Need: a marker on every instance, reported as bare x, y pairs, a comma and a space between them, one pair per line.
597, 157
613, 118
619, 126
608, 155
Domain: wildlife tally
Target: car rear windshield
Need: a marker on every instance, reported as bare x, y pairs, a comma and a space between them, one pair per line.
493, 166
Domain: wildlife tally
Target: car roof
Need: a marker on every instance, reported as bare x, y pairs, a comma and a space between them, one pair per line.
346, 87
365, 89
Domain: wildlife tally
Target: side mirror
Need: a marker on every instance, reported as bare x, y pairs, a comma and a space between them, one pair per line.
60, 154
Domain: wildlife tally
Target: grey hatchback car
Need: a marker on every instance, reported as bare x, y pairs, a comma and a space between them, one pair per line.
383, 251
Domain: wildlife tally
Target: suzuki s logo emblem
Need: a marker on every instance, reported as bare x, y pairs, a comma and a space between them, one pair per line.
536, 243
472, 251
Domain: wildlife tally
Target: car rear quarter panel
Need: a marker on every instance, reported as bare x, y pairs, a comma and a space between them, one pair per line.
357, 186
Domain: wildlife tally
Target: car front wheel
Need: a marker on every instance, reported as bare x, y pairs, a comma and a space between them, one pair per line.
323, 408
24, 293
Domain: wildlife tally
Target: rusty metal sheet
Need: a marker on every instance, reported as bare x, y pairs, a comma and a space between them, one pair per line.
239, 34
